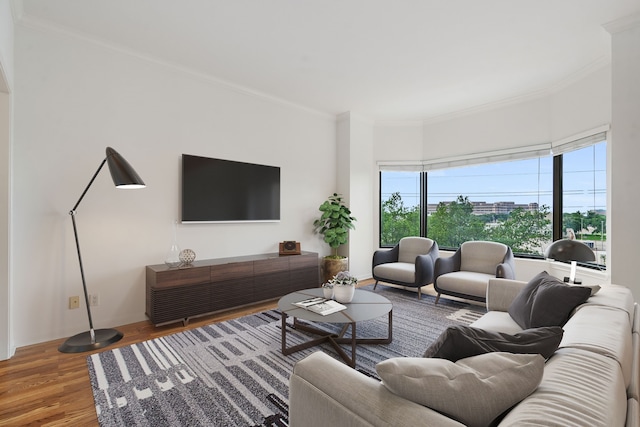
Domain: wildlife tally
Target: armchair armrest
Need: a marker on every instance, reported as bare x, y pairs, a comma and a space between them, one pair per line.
501, 292
506, 269
447, 265
425, 265
386, 255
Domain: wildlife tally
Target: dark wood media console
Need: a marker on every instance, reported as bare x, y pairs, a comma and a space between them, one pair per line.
207, 286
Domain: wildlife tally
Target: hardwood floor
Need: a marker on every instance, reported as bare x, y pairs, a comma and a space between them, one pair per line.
40, 386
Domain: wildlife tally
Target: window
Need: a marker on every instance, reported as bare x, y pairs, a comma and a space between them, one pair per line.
400, 195
584, 197
508, 201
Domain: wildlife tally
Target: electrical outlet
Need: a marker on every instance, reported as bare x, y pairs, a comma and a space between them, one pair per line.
74, 302
94, 300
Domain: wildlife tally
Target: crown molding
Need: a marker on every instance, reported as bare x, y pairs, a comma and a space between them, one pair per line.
351, 116
491, 106
399, 123
623, 24
596, 65
36, 24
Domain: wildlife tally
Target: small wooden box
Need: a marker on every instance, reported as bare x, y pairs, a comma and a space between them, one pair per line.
290, 247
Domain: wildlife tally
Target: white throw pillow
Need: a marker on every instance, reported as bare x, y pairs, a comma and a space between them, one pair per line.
473, 391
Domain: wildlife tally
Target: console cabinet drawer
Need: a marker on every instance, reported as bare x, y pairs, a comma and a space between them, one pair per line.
234, 270
178, 276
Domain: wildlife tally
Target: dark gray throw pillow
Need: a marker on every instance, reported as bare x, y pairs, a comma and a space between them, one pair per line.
546, 301
459, 342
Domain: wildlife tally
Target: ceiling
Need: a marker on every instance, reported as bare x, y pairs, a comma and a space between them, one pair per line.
384, 59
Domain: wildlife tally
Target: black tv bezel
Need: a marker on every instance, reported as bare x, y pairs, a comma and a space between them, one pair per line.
228, 221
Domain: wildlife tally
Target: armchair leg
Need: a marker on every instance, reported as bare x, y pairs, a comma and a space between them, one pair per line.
437, 298
419, 293
374, 286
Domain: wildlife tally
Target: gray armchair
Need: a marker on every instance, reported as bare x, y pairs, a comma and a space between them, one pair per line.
410, 263
466, 274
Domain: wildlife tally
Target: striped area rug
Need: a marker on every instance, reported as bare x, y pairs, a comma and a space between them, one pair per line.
233, 373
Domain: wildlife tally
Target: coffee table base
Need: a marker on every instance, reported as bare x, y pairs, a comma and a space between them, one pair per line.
331, 338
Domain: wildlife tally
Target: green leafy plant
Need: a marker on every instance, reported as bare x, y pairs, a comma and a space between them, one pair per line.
334, 223
343, 278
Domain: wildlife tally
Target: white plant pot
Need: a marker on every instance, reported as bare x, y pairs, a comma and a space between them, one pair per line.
327, 292
343, 293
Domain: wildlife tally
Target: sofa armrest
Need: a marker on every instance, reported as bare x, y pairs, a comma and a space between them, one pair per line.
384, 256
326, 392
501, 292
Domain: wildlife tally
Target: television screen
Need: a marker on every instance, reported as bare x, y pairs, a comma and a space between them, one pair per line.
216, 190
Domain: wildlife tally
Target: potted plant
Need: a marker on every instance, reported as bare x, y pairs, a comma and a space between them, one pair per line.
344, 286
334, 225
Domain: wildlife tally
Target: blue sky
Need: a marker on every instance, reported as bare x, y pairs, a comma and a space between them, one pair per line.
522, 182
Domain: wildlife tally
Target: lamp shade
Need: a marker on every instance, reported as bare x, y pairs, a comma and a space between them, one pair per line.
123, 175
570, 250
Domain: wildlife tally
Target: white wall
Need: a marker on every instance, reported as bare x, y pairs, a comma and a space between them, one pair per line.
6, 86
355, 170
6, 341
583, 105
579, 106
6, 45
398, 142
624, 152
515, 125
73, 99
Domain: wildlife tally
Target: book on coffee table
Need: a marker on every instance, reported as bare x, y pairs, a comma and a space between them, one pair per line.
320, 305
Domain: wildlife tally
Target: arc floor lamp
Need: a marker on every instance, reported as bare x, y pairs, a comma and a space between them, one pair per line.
124, 176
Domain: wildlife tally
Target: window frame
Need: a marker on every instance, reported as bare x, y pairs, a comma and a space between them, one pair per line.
557, 196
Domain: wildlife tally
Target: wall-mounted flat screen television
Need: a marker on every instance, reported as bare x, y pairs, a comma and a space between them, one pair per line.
217, 190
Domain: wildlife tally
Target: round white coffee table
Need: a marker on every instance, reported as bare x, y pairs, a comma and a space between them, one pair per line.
364, 306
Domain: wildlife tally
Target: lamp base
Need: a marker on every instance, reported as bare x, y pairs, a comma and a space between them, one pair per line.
82, 342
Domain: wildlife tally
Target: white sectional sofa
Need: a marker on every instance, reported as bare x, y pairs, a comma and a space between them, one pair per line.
592, 379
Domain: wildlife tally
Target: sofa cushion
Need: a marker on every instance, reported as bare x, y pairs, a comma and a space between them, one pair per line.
546, 301
326, 392
579, 388
399, 271
411, 247
613, 296
604, 330
482, 257
473, 391
459, 342
465, 282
